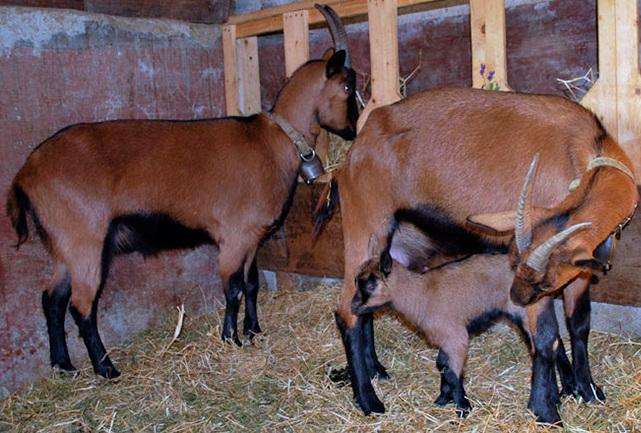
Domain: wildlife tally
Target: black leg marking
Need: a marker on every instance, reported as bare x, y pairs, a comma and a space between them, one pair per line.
250, 323
55, 309
544, 394
88, 328
234, 292
564, 368
579, 329
374, 367
361, 385
453, 384
446, 396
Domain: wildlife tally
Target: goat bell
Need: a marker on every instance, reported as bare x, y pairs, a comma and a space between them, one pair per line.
311, 167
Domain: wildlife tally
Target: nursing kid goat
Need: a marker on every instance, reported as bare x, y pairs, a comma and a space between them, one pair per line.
438, 157
97, 189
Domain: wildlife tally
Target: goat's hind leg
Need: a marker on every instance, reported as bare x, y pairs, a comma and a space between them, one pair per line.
450, 362
54, 304
87, 274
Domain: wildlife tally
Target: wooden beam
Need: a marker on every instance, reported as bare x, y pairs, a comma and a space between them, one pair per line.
271, 22
231, 74
628, 80
383, 43
296, 40
487, 26
602, 96
248, 76
616, 95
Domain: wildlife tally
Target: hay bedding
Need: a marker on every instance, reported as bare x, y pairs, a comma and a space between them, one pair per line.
281, 383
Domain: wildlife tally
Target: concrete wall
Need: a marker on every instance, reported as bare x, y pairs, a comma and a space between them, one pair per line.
200, 11
63, 67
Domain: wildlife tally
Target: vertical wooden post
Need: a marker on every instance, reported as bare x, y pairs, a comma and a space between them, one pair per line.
248, 76
487, 25
296, 40
242, 79
628, 80
383, 42
231, 76
602, 96
616, 95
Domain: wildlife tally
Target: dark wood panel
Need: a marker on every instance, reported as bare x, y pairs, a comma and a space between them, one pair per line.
292, 250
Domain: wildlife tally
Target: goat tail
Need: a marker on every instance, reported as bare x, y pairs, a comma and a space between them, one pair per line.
325, 207
18, 206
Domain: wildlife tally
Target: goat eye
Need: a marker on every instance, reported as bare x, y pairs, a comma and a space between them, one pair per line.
347, 89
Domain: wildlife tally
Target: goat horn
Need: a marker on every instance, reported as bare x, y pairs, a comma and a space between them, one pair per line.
523, 225
337, 30
538, 259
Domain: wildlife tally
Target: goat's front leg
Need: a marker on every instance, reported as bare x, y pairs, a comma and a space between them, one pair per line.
250, 323
232, 274
576, 303
544, 335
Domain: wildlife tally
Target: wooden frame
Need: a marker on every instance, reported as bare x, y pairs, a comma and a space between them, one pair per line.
615, 97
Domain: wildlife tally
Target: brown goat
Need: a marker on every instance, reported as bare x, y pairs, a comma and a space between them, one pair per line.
437, 157
99, 189
451, 303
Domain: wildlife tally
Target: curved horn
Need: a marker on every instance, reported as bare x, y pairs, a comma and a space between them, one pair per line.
539, 258
523, 225
337, 30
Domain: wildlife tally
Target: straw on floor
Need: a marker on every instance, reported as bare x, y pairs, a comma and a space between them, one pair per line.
281, 384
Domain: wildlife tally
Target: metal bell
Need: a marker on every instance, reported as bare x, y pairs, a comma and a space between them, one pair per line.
311, 167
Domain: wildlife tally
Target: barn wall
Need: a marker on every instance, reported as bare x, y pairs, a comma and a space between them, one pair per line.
63, 67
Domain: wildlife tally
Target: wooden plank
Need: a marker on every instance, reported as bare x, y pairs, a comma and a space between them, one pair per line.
278, 10
602, 97
345, 9
248, 84
628, 80
296, 40
292, 248
487, 26
231, 75
383, 42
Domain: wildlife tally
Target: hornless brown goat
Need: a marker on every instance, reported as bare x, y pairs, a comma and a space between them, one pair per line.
452, 302
437, 157
99, 189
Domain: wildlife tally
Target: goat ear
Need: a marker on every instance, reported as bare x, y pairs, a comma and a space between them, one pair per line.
335, 63
566, 274
492, 224
328, 54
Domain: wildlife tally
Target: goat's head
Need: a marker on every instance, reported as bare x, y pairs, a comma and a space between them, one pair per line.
372, 291
546, 253
337, 110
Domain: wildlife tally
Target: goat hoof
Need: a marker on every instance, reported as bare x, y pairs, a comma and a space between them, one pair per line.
550, 419
64, 367
590, 393
379, 372
370, 403
463, 408
340, 376
108, 372
251, 331
444, 399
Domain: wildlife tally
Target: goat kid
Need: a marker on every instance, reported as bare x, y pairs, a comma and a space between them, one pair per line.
441, 156
449, 304
94, 190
